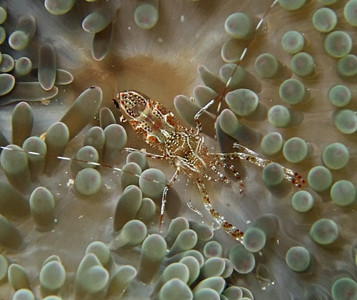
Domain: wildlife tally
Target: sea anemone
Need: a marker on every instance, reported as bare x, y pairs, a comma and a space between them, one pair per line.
80, 217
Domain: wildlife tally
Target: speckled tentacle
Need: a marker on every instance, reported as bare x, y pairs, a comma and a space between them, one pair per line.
213, 164
289, 174
199, 114
147, 154
164, 195
236, 174
252, 157
219, 219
